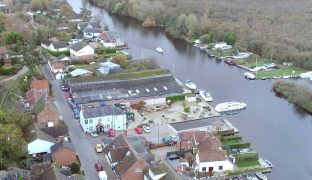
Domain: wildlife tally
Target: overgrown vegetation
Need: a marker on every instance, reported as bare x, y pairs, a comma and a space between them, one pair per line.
275, 29
295, 93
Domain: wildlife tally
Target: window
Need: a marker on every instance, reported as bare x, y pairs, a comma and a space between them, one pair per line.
86, 121
204, 169
210, 169
90, 121
220, 168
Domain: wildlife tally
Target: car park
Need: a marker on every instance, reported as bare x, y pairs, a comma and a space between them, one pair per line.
138, 130
146, 129
98, 148
98, 166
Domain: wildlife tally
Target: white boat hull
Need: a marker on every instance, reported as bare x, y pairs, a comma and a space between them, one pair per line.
205, 96
230, 107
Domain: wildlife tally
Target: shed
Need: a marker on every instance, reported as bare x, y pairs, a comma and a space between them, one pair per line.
80, 72
39, 146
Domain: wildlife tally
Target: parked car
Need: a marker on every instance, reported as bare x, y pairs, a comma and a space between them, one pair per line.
98, 148
173, 157
94, 134
102, 175
98, 167
147, 129
173, 138
138, 130
111, 132
166, 140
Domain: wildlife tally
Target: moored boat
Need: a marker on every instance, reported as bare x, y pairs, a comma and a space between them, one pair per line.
160, 50
249, 76
189, 84
229, 61
270, 165
261, 176
230, 107
205, 95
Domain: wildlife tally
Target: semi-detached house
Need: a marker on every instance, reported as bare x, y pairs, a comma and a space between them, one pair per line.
101, 119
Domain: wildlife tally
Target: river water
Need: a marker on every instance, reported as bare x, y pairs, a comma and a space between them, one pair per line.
275, 128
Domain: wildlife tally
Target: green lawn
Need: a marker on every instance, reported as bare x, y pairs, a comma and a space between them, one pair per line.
249, 62
232, 141
224, 53
284, 71
247, 163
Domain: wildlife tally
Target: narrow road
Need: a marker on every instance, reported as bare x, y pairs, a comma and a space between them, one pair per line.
84, 143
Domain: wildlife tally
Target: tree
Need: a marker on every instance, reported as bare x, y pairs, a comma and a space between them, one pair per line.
75, 168
206, 38
230, 38
121, 59
67, 11
41, 5
86, 14
12, 38
192, 25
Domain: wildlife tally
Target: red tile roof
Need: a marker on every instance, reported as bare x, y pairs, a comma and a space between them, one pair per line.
210, 150
32, 97
40, 84
57, 65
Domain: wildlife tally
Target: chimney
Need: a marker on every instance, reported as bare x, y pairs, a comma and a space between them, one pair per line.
61, 138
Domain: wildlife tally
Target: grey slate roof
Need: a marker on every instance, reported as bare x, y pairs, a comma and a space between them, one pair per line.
93, 30
60, 57
83, 25
60, 44
78, 46
56, 131
102, 111
60, 145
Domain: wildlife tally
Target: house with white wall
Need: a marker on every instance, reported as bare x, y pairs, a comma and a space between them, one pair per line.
101, 119
81, 52
54, 46
111, 39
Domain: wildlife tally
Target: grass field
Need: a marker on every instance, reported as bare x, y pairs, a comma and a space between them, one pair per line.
284, 71
247, 163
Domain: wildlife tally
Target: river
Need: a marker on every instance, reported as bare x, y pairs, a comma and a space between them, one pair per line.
275, 128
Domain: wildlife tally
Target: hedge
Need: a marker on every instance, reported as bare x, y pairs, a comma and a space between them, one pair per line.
179, 153
58, 53
7, 70
239, 145
246, 170
105, 50
249, 156
174, 98
228, 138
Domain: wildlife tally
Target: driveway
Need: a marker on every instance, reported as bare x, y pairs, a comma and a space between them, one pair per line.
84, 148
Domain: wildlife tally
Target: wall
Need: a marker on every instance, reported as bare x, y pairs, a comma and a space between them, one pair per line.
64, 156
159, 101
227, 165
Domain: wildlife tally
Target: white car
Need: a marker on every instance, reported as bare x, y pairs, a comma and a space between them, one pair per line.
94, 134
147, 129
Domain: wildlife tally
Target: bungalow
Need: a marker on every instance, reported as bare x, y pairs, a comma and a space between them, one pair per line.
81, 52
63, 153
56, 66
83, 25
92, 33
48, 117
62, 58
111, 39
76, 18
32, 97
101, 119
108, 68
39, 146
125, 159
54, 46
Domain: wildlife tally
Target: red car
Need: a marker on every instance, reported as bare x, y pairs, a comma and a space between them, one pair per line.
138, 130
111, 132
98, 167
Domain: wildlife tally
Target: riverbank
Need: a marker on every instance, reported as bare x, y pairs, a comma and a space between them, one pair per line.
294, 93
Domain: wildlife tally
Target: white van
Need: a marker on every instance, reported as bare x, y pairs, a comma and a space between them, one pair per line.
102, 175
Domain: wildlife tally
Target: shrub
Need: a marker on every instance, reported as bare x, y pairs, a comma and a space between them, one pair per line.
250, 156
7, 71
179, 153
229, 138
179, 97
109, 50
187, 109
75, 168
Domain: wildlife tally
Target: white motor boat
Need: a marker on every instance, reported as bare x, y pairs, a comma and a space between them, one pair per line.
249, 76
230, 107
261, 176
160, 50
270, 165
205, 95
189, 84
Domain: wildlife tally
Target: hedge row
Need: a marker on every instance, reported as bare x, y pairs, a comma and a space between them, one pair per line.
228, 138
249, 156
179, 153
58, 53
105, 50
7, 71
240, 145
247, 170
174, 98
